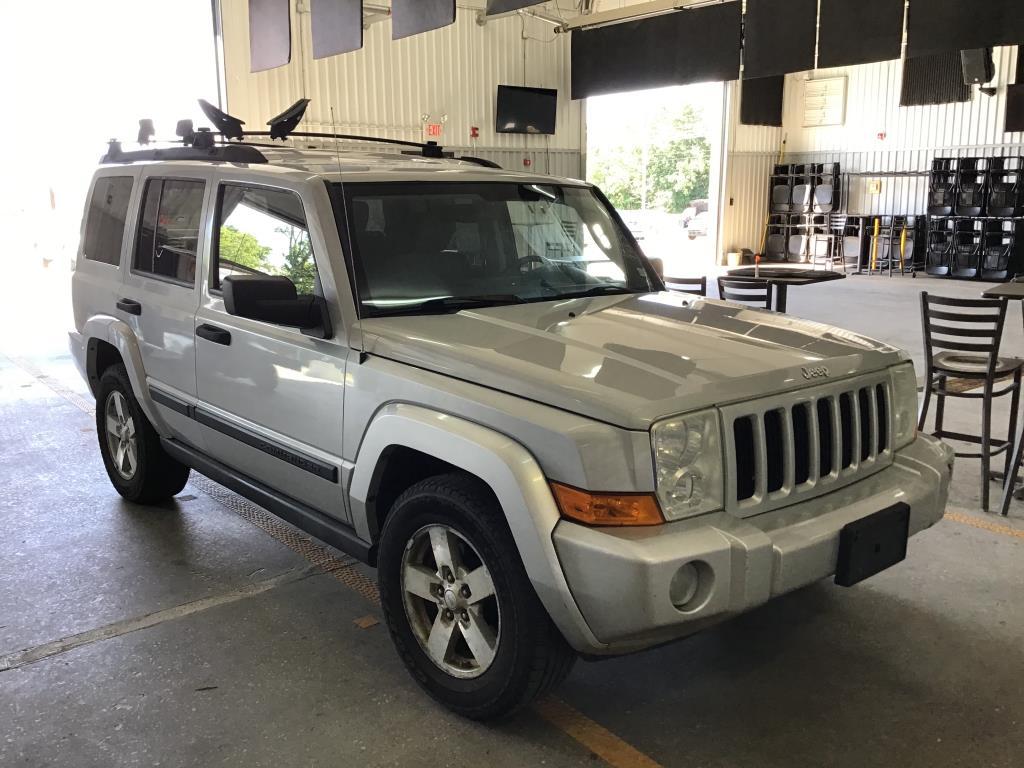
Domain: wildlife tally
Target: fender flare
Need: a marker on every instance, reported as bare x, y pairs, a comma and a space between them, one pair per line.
509, 470
119, 335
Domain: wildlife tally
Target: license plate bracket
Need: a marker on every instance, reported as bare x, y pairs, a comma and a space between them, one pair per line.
872, 544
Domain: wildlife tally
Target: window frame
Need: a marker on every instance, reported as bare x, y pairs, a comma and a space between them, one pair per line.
212, 277
146, 181
125, 228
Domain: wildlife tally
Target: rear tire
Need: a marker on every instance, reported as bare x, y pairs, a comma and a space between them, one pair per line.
136, 463
487, 595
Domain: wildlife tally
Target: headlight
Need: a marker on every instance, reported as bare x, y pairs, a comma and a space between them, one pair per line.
688, 464
904, 395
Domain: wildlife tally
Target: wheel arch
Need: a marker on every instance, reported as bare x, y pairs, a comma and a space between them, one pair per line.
404, 432
109, 341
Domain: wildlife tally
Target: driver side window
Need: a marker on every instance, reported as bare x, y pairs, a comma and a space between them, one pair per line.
262, 231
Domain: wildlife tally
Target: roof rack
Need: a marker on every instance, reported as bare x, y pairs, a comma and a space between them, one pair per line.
220, 153
201, 145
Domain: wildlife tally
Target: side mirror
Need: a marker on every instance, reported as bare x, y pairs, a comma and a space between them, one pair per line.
659, 267
274, 299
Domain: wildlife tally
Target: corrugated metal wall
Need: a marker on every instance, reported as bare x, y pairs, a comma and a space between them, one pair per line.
385, 88
913, 135
751, 152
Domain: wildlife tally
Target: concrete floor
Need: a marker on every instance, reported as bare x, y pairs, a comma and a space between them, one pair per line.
186, 635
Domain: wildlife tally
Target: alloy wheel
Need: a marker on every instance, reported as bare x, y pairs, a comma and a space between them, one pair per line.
122, 444
450, 601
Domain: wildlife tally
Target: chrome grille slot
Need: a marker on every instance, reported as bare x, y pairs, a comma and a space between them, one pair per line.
795, 446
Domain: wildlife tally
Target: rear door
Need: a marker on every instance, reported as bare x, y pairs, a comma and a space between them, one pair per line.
270, 397
160, 293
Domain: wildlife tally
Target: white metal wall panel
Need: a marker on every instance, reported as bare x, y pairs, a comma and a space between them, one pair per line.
913, 135
385, 88
752, 151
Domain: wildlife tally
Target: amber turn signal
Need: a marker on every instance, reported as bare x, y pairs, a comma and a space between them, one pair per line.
607, 508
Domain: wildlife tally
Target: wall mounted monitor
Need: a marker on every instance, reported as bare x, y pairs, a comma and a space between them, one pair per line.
526, 110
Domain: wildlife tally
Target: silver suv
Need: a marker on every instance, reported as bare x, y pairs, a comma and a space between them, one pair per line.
474, 380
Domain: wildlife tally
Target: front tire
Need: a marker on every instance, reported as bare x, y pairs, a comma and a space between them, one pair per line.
136, 463
460, 608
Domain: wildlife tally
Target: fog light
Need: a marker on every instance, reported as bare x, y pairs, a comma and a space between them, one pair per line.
684, 586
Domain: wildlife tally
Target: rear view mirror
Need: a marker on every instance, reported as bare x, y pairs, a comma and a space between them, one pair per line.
274, 299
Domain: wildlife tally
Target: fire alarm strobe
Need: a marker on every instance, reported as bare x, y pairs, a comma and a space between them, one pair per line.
527, 162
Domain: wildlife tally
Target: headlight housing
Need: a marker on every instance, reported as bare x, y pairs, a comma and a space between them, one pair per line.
688, 464
904, 406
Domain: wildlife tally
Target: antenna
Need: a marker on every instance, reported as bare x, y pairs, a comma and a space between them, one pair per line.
350, 266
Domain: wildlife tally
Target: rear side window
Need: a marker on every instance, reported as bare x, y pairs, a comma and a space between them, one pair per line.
169, 230
104, 226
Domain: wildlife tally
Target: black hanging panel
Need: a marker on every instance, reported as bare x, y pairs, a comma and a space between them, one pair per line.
270, 34
504, 6
761, 101
778, 37
1015, 107
411, 17
689, 46
859, 32
952, 25
935, 79
337, 27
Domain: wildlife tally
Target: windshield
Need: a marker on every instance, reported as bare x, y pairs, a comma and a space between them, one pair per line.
442, 246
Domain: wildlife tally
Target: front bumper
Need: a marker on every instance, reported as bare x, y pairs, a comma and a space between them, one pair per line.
620, 578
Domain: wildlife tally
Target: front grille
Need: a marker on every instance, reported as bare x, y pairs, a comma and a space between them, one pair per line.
788, 448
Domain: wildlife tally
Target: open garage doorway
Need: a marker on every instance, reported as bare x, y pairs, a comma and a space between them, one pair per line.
90, 78
657, 154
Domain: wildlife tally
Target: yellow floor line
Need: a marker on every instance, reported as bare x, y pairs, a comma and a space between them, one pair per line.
983, 524
598, 739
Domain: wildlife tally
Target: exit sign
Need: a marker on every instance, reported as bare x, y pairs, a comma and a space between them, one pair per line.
434, 130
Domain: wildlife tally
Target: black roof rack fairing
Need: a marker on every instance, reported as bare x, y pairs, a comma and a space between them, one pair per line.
220, 153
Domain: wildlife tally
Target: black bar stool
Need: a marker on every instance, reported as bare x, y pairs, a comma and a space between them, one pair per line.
695, 285
961, 346
746, 290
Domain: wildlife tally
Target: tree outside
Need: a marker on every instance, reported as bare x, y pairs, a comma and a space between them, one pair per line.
296, 263
660, 162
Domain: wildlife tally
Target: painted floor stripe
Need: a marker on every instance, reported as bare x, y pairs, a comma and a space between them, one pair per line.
983, 524
118, 628
598, 739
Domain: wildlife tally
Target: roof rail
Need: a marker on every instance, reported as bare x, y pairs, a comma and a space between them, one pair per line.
479, 161
220, 153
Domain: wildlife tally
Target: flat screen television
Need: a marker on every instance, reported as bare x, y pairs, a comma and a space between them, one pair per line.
525, 110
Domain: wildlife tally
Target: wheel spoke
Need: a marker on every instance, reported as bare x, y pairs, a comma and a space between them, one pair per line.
129, 427
131, 457
441, 639
112, 424
119, 457
421, 581
480, 638
479, 583
117, 406
445, 547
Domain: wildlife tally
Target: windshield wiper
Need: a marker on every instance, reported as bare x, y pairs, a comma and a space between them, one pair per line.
604, 289
457, 303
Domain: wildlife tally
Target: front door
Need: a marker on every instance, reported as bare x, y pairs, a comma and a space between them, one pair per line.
270, 397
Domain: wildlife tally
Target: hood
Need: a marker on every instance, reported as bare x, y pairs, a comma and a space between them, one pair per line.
628, 360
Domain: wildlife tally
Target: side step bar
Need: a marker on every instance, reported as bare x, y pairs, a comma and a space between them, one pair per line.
312, 521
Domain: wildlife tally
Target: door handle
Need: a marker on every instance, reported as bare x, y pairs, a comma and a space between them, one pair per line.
214, 334
131, 306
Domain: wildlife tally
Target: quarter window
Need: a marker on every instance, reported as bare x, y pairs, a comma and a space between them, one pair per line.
169, 231
104, 225
263, 231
